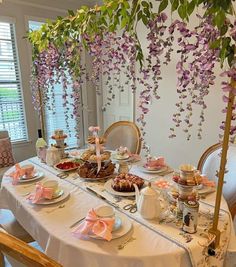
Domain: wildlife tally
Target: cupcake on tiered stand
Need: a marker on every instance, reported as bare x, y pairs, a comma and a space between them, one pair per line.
59, 136
187, 180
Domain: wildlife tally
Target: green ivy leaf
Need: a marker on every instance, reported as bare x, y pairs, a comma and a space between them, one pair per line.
174, 5
223, 30
215, 44
163, 5
71, 13
145, 20
191, 7
219, 19
182, 11
145, 4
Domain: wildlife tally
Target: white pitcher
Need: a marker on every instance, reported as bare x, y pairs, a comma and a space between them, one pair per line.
148, 203
53, 156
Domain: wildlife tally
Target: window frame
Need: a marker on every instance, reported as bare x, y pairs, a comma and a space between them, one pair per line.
11, 20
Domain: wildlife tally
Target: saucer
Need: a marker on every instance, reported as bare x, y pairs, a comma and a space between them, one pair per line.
36, 176
125, 227
59, 192
117, 224
153, 171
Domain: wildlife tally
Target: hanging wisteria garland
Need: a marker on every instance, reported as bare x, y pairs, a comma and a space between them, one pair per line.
114, 55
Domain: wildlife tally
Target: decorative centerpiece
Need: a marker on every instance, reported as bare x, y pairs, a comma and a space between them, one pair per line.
95, 152
187, 179
60, 137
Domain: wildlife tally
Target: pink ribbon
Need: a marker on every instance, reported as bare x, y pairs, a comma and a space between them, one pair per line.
19, 172
94, 130
93, 224
40, 192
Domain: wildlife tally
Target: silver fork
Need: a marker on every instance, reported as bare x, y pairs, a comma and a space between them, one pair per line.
59, 207
121, 246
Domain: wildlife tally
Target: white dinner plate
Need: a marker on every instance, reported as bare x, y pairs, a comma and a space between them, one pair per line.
124, 228
63, 193
143, 169
97, 178
110, 190
36, 176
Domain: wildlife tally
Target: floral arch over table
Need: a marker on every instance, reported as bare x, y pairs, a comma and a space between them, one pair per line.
58, 48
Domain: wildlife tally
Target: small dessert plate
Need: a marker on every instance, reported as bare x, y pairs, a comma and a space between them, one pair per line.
36, 176
154, 171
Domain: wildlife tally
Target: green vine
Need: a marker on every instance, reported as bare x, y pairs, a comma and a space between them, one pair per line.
118, 15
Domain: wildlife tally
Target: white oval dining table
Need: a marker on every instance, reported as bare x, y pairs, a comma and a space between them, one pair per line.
50, 226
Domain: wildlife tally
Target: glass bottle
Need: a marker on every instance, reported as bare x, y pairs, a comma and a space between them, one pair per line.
40, 144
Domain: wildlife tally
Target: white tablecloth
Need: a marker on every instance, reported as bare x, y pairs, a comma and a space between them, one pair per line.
53, 233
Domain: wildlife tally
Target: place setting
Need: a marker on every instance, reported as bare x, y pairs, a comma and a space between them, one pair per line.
25, 174
47, 193
102, 223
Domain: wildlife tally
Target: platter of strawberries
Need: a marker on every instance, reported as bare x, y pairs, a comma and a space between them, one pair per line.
67, 166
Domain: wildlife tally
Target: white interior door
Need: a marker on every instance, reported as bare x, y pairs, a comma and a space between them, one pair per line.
120, 108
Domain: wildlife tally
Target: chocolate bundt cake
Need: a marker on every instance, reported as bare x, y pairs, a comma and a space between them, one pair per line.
124, 182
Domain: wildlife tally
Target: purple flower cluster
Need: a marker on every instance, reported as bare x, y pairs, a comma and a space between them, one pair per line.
195, 71
114, 59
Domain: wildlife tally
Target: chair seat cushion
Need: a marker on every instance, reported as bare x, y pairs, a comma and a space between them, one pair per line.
11, 225
6, 155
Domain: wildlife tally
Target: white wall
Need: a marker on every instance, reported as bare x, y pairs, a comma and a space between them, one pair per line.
159, 119
21, 11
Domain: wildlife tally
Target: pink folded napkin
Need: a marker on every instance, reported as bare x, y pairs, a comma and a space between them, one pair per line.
19, 172
155, 163
40, 192
93, 224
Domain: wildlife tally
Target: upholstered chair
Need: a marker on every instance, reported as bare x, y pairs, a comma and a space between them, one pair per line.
123, 133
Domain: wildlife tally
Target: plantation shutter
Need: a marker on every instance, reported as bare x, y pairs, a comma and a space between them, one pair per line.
55, 119
12, 115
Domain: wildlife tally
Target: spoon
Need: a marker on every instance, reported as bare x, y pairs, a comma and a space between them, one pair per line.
59, 207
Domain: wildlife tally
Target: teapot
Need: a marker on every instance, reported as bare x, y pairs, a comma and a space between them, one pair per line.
147, 201
53, 156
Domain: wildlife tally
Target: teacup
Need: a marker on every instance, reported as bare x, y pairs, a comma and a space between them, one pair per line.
105, 211
28, 170
52, 184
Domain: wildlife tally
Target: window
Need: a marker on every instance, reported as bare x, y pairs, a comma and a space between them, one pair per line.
12, 116
57, 120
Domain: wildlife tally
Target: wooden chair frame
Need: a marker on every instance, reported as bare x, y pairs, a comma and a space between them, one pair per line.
126, 123
23, 253
206, 154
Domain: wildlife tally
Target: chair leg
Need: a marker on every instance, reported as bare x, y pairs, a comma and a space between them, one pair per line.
2, 262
